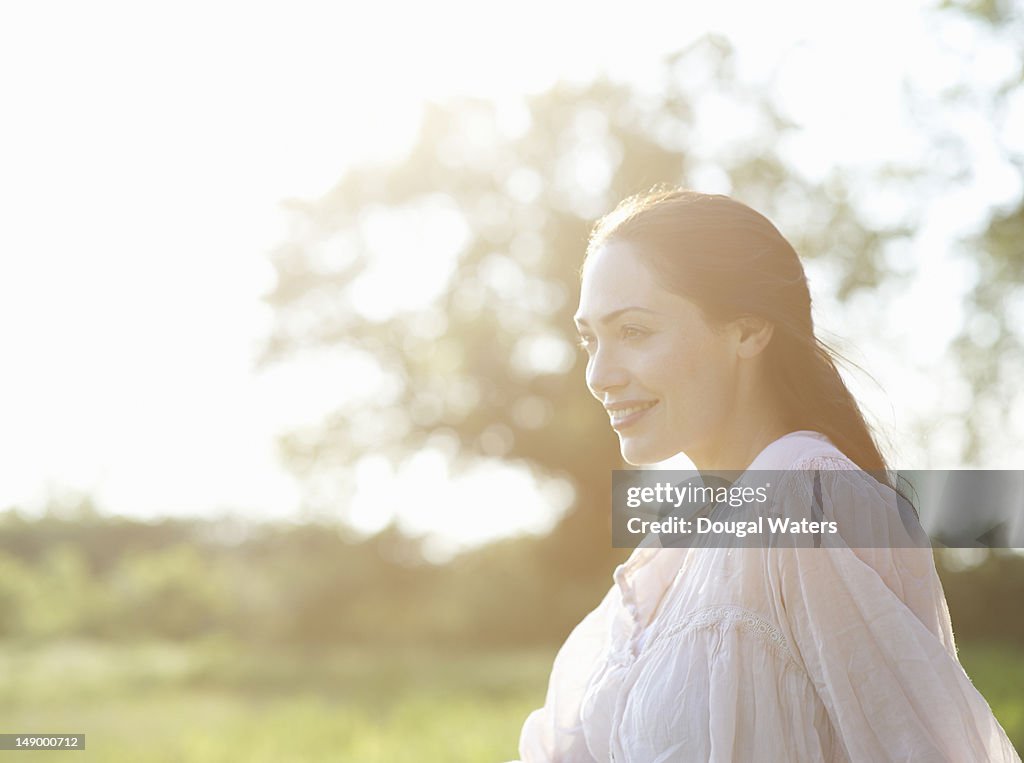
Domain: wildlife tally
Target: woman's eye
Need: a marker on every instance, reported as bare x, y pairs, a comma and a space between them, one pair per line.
632, 332
584, 342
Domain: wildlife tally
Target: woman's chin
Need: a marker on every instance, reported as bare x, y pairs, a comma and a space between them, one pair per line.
636, 454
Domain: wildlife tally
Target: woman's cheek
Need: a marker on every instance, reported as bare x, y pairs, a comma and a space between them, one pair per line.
682, 359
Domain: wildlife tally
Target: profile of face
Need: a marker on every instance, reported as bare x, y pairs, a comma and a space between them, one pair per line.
666, 376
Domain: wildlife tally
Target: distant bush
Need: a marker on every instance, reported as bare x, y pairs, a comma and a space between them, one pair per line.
315, 585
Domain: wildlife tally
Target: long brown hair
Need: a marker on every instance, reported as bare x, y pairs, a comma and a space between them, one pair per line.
731, 261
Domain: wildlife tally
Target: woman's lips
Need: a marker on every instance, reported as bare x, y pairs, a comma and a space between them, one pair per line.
620, 422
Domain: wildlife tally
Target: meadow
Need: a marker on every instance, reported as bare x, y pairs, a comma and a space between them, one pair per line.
216, 701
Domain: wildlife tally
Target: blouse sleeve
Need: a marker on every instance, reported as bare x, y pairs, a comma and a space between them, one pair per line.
871, 626
553, 733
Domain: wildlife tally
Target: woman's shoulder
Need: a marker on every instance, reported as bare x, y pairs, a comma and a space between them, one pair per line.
865, 509
803, 449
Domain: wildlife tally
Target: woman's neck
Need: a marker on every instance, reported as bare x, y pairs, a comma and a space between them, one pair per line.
738, 440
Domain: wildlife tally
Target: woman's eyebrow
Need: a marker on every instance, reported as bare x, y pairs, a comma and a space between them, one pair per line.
614, 314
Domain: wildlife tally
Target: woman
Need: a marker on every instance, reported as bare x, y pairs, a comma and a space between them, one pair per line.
696, 318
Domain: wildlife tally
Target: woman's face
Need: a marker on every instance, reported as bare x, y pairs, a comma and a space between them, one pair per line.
665, 376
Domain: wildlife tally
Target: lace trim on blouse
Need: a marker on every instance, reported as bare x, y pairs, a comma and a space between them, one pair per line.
726, 615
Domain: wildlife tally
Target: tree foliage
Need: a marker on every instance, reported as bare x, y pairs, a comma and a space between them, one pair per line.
989, 347
486, 365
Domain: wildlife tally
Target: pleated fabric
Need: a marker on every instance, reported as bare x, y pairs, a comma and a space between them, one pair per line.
837, 653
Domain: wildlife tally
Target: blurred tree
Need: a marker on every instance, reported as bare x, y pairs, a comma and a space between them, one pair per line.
973, 126
451, 276
990, 346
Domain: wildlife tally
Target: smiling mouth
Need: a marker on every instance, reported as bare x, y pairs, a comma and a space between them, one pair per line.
628, 416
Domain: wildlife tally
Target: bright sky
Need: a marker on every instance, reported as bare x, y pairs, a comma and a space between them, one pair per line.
145, 150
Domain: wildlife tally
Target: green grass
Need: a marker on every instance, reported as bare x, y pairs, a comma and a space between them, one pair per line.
998, 673
218, 702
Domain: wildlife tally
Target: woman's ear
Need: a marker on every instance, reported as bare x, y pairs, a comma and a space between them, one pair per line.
754, 334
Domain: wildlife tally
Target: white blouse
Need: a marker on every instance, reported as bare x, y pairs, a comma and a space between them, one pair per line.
777, 654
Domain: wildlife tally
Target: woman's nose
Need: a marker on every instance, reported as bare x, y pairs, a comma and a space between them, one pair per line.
604, 373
